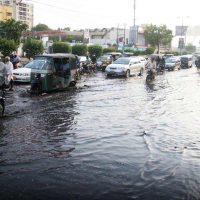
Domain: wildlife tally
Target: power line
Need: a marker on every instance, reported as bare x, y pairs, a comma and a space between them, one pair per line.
76, 11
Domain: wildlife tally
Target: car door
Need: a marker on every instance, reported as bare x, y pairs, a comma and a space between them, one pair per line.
137, 66
132, 66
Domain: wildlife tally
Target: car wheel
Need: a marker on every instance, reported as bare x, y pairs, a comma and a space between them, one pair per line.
141, 72
127, 73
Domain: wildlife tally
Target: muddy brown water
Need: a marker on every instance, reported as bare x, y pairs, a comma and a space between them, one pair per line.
108, 139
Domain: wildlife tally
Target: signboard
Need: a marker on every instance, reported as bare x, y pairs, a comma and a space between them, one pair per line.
181, 43
181, 30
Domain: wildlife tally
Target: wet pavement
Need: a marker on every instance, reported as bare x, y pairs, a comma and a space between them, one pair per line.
110, 138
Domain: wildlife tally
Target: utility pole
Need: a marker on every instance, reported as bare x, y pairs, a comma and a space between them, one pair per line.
182, 39
117, 36
124, 37
134, 8
134, 24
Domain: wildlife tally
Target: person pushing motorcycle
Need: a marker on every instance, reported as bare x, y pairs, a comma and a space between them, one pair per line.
151, 67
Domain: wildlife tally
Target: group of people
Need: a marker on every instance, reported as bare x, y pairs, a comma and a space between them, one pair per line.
6, 73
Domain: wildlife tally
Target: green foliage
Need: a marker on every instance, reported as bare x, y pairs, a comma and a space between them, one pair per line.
158, 35
108, 50
190, 48
12, 30
79, 49
32, 48
41, 27
72, 38
7, 46
54, 38
61, 47
67, 29
149, 51
95, 49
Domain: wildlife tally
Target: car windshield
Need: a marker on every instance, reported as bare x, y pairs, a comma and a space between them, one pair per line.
184, 59
170, 60
43, 63
103, 58
124, 61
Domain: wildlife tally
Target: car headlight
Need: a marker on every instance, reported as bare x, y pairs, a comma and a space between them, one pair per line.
25, 74
122, 68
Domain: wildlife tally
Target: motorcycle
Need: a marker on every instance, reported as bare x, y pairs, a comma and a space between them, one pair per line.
160, 68
36, 85
85, 68
150, 76
2, 102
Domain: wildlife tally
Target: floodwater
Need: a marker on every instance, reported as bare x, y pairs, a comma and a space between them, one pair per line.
108, 139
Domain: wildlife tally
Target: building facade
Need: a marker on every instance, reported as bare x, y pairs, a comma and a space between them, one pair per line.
21, 11
109, 36
6, 12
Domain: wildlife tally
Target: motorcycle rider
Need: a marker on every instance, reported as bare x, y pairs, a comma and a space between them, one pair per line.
94, 61
151, 67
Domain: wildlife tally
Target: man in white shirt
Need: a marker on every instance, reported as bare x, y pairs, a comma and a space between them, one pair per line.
9, 73
2, 73
151, 66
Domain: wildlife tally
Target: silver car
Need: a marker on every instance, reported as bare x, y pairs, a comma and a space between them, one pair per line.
125, 66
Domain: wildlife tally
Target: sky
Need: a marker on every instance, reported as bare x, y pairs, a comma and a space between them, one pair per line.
81, 14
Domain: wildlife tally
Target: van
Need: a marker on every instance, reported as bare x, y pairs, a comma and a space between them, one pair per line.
186, 61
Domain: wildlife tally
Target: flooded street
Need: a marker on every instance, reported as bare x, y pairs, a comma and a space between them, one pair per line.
111, 138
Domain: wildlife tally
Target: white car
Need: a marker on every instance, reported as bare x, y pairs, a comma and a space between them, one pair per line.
125, 66
23, 74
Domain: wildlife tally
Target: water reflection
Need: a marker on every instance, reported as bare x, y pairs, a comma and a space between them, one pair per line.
150, 87
114, 139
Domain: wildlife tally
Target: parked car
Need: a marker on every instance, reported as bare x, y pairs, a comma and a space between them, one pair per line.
23, 74
125, 66
186, 61
172, 63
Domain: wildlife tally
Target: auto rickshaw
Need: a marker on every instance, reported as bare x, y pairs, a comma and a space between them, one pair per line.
113, 56
52, 72
103, 62
197, 62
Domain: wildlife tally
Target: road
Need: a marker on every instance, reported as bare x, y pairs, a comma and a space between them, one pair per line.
110, 138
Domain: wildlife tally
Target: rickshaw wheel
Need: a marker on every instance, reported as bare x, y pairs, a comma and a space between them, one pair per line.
72, 84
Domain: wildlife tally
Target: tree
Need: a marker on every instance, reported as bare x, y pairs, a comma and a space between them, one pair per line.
95, 49
41, 27
32, 48
190, 48
108, 50
7, 46
61, 47
67, 29
12, 30
158, 35
79, 49
149, 50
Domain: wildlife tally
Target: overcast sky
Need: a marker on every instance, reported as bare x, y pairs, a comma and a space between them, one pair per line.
80, 14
